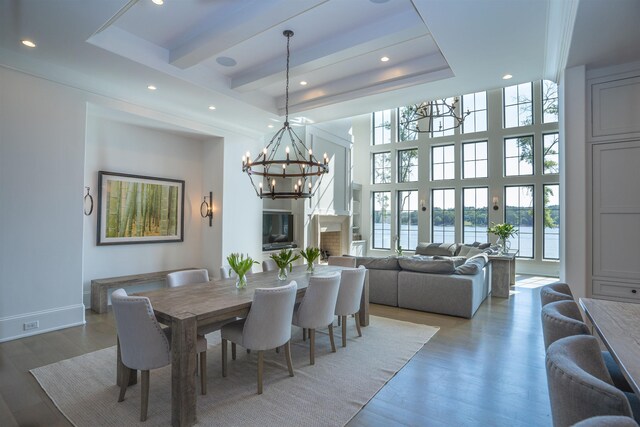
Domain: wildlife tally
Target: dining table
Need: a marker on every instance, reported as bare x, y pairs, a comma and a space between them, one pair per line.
618, 325
188, 307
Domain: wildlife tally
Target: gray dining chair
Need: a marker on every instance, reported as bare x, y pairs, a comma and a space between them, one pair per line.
607, 421
579, 385
555, 292
317, 309
266, 327
343, 261
144, 345
269, 265
562, 319
187, 277
349, 296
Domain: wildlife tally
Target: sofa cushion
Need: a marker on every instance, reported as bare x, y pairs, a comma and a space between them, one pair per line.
457, 260
446, 249
474, 248
425, 264
374, 263
473, 265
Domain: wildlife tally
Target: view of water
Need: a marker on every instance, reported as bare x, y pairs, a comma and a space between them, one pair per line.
523, 241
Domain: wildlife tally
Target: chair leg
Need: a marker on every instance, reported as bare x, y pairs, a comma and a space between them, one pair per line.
357, 317
260, 369
144, 395
344, 331
224, 357
339, 320
304, 334
333, 343
287, 355
312, 346
203, 373
124, 382
233, 351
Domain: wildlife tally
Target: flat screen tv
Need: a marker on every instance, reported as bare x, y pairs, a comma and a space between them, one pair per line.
277, 230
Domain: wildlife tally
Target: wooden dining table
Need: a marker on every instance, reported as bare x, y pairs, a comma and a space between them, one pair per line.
186, 308
618, 325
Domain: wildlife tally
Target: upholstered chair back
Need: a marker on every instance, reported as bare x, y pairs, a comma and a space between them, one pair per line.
269, 265
226, 272
268, 323
319, 304
607, 421
555, 292
351, 284
187, 277
579, 384
143, 345
343, 261
561, 319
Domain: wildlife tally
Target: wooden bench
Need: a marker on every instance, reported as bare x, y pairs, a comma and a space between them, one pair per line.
100, 287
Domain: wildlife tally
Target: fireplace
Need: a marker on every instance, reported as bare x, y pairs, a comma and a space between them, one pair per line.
333, 235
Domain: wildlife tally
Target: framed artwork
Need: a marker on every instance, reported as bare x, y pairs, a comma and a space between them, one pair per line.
139, 209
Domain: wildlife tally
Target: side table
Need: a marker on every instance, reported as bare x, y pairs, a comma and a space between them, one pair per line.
503, 273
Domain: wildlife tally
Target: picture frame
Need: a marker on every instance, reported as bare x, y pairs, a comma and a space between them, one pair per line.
125, 201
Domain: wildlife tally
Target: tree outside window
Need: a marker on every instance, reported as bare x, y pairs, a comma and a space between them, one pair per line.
408, 219
550, 153
518, 105
408, 165
381, 220
549, 102
381, 167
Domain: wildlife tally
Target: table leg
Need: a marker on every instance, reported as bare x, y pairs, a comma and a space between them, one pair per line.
183, 371
133, 376
364, 302
501, 273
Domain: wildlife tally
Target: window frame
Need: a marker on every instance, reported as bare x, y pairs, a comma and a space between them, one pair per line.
433, 190
373, 217
517, 104
399, 211
544, 99
544, 155
415, 167
533, 155
533, 218
464, 189
474, 112
374, 127
443, 146
475, 160
374, 169
544, 214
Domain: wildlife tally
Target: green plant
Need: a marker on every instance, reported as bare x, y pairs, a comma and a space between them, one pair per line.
285, 258
240, 264
310, 254
503, 231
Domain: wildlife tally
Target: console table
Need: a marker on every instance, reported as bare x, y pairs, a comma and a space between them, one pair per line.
503, 273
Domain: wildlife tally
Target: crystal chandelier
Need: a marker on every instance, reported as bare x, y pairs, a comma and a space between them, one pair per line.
440, 115
290, 177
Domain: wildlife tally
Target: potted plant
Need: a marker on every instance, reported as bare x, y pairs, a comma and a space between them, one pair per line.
283, 260
399, 249
240, 265
310, 255
503, 231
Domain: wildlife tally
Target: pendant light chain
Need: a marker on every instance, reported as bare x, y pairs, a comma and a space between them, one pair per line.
286, 91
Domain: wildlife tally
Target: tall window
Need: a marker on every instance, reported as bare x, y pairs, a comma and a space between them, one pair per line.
442, 123
475, 160
443, 162
382, 127
407, 123
474, 214
381, 168
518, 156
518, 105
408, 219
476, 104
551, 243
443, 215
549, 102
408, 165
550, 153
519, 212
381, 219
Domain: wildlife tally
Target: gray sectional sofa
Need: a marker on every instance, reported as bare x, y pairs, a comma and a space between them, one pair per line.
435, 283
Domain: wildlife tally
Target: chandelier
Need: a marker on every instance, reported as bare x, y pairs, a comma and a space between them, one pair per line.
440, 114
289, 177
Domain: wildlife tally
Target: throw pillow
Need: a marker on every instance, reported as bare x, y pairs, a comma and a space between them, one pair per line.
457, 260
424, 264
374, 263
446, 249
473, 265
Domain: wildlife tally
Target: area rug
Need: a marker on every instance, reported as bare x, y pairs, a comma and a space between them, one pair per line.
328, 393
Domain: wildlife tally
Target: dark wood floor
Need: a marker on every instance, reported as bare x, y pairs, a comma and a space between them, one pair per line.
488, 371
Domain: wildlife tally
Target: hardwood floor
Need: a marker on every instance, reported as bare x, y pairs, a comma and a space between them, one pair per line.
487, 371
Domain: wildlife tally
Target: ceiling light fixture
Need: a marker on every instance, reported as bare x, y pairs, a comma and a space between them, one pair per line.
151, 87
270, 126
384, 59
303, 83
507, 77
211, 107
440, 115
158, 2
296, 170
28, 43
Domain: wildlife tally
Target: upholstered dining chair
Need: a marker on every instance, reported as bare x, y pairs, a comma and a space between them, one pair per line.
267, 326
562, 319
607, 421
580, 386
344, 261
187, 277
269, 265
349, 295
317, 309
144, 345
555, 292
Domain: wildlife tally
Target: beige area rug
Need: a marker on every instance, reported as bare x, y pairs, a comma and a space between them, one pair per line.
329, 393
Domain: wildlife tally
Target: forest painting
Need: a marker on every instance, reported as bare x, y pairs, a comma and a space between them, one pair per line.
139, 209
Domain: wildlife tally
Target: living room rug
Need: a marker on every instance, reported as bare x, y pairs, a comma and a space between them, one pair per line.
329, 393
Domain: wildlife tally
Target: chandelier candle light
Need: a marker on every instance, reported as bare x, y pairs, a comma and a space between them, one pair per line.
299, 166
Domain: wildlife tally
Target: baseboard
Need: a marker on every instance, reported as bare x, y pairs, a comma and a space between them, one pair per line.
12, 327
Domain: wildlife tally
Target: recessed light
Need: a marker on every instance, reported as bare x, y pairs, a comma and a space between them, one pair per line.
211, 107
28, 43
158, 2
225, 61
151, 87
507, 77
270, 126
384, 59
303, 83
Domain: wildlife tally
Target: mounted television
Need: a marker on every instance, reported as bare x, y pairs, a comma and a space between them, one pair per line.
277, 230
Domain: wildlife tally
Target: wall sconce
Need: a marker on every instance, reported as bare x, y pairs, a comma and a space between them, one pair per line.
206, 209
423, 206
87, 201
495, 203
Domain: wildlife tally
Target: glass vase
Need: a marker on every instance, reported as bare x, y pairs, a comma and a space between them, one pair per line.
241, 281
310, 268
282, 273
503, 246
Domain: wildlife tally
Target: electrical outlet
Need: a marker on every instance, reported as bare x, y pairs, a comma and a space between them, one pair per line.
31, 325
